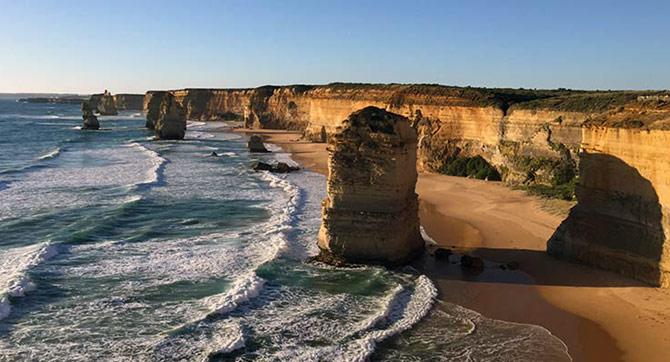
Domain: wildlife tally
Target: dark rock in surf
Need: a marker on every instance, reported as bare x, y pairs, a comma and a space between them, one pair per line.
255, 144
280, 167
90, 120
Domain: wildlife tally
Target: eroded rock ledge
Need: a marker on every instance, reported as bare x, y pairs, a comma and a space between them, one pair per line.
370, 213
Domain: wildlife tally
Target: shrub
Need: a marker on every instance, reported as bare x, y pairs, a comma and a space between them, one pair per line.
476, 167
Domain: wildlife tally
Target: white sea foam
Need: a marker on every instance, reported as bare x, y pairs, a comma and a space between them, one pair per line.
155, 172
244, 289
54, 187
14, 266
280, 155
51, 154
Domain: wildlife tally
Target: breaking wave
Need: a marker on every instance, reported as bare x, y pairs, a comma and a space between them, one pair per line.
14, 268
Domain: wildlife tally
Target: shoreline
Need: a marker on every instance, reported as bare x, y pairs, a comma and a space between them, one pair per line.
599, 315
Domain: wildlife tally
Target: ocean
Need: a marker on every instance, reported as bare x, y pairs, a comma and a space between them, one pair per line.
114, 246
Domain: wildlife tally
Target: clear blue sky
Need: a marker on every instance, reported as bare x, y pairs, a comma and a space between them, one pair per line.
132, 46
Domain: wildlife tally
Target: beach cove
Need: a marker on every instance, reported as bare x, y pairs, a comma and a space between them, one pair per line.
599, 315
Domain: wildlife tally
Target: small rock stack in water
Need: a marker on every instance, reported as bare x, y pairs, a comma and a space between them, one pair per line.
171, 122
370, 214
90, 120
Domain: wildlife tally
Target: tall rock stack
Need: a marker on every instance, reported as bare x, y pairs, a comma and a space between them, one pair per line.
107, 106
152, 107
90, 120
370, 214
171, 122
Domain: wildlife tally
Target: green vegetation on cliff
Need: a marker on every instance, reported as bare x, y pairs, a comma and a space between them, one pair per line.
476, 167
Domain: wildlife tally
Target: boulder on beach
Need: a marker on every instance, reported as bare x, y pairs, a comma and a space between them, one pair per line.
90, 120
171, 122
255, 144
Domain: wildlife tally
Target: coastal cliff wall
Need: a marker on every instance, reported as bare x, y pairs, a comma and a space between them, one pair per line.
622, 219
108, 103
556, 140
129, 102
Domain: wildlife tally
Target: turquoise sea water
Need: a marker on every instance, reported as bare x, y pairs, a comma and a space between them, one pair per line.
114, 246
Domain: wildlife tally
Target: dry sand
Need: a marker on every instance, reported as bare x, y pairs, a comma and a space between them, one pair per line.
599, 315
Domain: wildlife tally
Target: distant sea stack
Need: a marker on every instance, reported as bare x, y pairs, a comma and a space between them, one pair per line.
370, 214
171, 122
104, 104
152, 107
90, 120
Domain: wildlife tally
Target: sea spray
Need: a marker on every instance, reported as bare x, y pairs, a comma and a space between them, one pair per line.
14, 268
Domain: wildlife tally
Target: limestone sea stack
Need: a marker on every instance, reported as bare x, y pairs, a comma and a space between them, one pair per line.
107, 106
171, 122
370, 214
152, 107
90, 120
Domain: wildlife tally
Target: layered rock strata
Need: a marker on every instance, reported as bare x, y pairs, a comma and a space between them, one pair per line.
90, 120
370, 213
531, 137
171, 122
622, 219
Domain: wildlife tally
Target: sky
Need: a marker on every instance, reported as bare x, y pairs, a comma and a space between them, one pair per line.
136, 45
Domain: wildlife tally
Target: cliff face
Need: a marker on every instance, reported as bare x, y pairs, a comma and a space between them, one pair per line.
108, 104
622, 219
530, 137
129, 102
370, 213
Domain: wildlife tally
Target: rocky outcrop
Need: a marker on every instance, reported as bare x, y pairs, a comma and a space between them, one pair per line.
279, 167
622, 219
104, 104
370, 213
129, 102
152, 107
528, 137
90, 120
256, 145
171, 122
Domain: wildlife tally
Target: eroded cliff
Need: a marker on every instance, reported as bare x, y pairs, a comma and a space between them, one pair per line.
552, 140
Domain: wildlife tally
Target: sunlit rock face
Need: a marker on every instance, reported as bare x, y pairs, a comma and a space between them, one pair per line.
622, 219
370, 214
107, 106
152, 107
171, 123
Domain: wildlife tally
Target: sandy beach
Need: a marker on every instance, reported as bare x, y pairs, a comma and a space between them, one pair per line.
599, 315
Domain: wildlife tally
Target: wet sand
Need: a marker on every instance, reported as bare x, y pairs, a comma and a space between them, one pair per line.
599, 315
